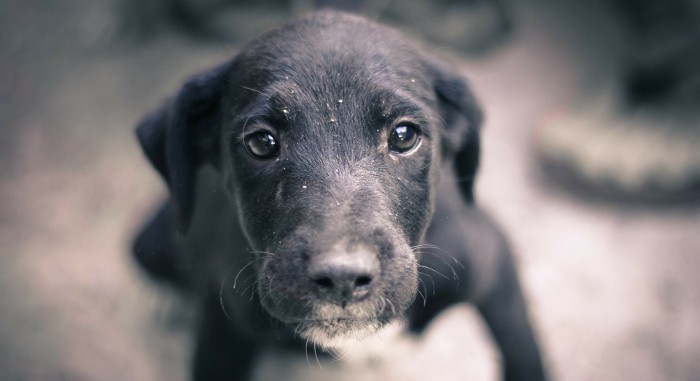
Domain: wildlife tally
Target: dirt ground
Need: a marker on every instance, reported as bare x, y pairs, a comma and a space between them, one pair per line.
613, 288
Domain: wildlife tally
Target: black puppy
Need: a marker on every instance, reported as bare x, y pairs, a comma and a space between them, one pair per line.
333, 165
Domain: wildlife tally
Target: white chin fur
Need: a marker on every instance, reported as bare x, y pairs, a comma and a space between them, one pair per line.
342, 334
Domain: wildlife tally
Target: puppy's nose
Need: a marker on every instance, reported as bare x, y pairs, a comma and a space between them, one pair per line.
344, 276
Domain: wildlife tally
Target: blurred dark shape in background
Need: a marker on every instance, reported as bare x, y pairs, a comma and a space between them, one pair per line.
635, 136
664, 50
202, 19
473, 26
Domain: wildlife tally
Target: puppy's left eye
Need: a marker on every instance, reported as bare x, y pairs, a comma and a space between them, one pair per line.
403, 137
262, 145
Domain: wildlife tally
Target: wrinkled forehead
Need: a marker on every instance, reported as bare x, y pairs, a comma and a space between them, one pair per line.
287, 97
356, 93
305, 70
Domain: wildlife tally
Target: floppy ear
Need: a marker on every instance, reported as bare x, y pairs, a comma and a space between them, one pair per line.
462, 117
181, 136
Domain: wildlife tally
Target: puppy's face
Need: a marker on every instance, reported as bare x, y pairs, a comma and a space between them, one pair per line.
328, 134
331, 157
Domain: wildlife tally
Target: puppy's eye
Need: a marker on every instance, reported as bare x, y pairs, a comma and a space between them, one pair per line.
262, 145
403, 137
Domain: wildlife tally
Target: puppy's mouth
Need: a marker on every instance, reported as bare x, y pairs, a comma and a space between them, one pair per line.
332, 327
340, 333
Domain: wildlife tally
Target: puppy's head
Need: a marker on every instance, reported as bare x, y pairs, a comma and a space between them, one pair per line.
328, 134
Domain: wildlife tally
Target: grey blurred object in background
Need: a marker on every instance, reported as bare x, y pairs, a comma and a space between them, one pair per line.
472, 26
663, 57
612, 286
633, 132
226, 20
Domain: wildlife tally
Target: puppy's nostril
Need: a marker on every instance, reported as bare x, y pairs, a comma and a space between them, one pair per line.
351, 284
324, 282
362, 281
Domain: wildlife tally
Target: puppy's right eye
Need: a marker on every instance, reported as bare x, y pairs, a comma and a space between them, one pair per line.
262, 145
403, 137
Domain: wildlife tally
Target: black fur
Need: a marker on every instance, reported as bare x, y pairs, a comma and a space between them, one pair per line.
325, 240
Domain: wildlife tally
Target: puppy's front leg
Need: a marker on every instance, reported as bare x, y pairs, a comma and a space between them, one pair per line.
472, 263
505, 313
221, 353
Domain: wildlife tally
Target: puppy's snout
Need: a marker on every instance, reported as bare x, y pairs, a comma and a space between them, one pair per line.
344, 276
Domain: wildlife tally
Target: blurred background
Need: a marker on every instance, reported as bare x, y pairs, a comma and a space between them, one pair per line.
591, 163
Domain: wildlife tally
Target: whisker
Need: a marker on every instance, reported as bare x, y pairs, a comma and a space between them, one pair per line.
317, 360
337, 356
250, 286
264, 253
223, 307
425, 246
257, 91
221, 293
457, 262
393, 309
247, 281
455, 276
252, 292
306, 351
435, 271
425, 285
431, 280
241, 270
382, 302
423, 296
